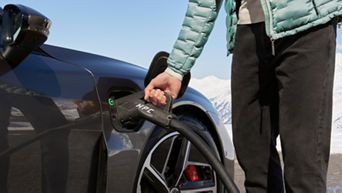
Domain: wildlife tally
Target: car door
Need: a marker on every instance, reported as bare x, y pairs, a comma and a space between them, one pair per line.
50, 127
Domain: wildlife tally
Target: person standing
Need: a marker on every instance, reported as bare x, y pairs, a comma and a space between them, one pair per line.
281, 79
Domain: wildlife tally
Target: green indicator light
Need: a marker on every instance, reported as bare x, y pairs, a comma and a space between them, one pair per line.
111, 101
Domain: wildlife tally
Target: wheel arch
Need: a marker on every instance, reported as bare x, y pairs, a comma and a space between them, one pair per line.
211, 122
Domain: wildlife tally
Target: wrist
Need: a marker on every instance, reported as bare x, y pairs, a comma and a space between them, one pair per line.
174, 74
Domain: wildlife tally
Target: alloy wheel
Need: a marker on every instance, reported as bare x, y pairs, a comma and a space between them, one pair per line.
174, 165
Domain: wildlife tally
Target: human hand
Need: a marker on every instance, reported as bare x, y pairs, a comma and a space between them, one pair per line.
164, 82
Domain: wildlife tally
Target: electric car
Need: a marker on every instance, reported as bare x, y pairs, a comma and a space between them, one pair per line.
57, 132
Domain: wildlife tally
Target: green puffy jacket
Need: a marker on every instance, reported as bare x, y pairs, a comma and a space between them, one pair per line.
282, 18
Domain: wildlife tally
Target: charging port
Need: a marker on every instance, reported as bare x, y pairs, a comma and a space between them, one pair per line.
120, 125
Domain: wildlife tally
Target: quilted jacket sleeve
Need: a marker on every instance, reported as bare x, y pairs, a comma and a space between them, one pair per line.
197, 25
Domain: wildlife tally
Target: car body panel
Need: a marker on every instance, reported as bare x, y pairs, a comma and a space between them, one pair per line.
103, 67
77, 85
50, 149
124, 149
196, 99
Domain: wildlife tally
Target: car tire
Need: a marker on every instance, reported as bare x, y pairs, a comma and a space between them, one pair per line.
168, 160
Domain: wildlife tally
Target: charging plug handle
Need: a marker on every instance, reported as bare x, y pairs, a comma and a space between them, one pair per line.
131, 109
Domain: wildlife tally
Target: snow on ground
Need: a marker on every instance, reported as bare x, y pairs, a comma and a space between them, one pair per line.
336, 137
218, 92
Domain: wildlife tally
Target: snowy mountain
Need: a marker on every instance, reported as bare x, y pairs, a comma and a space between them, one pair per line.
218, 92
337, 113
337, 116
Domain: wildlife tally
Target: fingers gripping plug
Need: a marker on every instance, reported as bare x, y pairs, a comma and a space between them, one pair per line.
128, 112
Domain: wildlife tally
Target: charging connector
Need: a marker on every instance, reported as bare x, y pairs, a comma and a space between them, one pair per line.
132, 108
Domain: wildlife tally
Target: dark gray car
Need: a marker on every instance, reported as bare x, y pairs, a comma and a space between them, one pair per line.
56, 131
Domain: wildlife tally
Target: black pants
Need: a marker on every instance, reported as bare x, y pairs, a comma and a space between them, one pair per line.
287, 94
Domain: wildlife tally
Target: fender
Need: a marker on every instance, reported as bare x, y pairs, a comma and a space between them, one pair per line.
212, 114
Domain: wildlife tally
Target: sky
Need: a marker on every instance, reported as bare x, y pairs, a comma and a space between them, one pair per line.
132, 31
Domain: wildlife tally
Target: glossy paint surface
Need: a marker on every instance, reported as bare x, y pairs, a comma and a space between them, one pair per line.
49, 128
54, 136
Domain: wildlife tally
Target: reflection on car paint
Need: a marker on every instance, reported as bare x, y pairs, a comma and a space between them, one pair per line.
44, 128
42, 114
96, 155
119, 143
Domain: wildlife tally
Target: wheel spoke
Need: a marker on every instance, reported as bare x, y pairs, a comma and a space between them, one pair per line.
164, 167
168, 155
199, 164
181, 162
155, 180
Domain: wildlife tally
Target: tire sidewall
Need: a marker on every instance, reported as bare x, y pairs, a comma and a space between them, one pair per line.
158, 134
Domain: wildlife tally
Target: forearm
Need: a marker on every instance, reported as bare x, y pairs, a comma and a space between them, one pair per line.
197, 26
